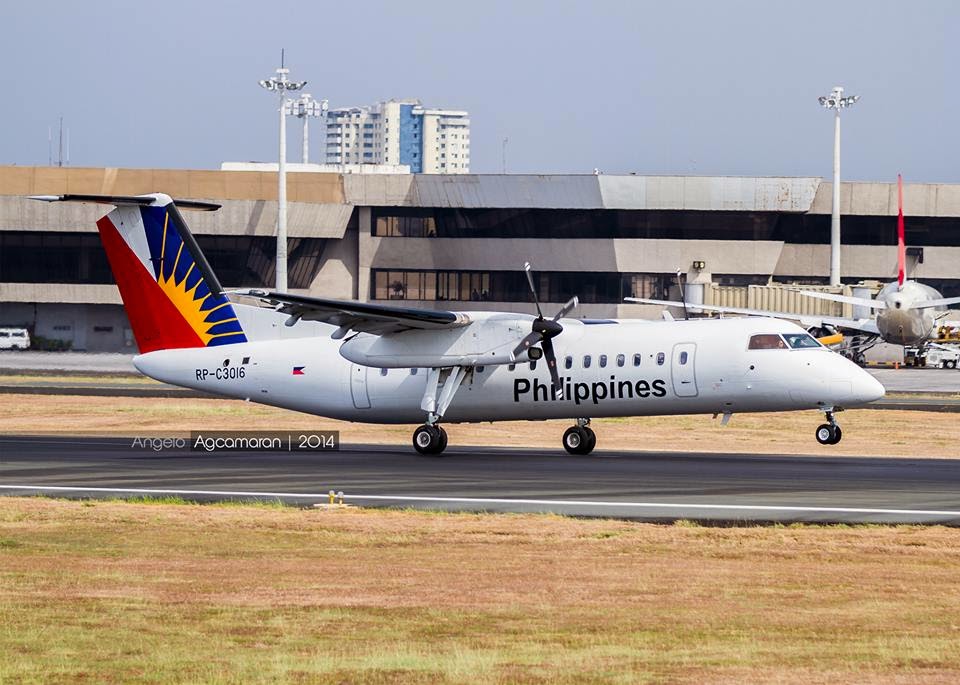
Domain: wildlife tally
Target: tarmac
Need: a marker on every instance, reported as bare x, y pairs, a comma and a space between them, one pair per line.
649, 486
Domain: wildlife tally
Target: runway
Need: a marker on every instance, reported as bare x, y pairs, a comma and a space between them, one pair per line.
637, 485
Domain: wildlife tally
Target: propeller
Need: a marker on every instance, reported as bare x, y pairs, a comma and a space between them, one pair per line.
543, 332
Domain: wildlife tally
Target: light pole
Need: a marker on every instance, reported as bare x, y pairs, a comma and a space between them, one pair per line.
281, 85
836, 101
304, 108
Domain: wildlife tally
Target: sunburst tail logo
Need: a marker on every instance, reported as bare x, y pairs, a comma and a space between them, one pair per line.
170, 294
210, 315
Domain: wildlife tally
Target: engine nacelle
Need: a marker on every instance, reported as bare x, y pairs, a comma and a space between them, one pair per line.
488, 340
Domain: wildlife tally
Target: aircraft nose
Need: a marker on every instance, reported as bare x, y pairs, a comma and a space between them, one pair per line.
866, 388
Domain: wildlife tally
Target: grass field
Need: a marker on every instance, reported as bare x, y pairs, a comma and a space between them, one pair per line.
865, 432
120, 592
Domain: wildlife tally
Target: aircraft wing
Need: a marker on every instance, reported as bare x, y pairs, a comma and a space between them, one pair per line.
868, 326
350, 315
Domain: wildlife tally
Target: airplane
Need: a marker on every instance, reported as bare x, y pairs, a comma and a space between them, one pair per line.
377, 363
907, 311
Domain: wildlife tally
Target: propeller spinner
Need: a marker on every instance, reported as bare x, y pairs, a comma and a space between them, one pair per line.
543, 332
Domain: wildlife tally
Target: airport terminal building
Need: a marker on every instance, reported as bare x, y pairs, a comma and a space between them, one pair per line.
459, 241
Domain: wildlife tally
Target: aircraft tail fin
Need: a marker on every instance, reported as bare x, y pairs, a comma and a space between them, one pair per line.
171, 295
901, 242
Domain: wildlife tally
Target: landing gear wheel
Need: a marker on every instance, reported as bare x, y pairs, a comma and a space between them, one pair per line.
837, 434
829, 434
579, 440
429, 439
443, 439
591, 439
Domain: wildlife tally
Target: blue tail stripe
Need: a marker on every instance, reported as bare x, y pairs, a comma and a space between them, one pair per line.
225, 327
227, 340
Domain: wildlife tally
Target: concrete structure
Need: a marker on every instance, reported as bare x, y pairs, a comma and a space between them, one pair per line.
293, 167
460, 241
400, 132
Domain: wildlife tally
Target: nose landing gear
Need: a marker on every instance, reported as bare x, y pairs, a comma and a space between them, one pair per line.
829, 433
580, 439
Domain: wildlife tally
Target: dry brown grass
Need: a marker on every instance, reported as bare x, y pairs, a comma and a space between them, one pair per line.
866, 432
113, 592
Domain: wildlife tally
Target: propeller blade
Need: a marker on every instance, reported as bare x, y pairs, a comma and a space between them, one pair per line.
533, 289
552, 365
567, 308
529, 341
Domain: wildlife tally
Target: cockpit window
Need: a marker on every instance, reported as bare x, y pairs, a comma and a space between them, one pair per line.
800, 340
767, 341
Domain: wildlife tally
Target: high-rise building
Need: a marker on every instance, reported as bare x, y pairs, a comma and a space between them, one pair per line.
429, 141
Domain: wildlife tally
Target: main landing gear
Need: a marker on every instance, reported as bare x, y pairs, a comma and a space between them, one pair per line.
431, 440
829, 433
442, 385
580, 439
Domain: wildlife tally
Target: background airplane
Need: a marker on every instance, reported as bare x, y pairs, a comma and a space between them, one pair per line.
382, 364
907, 312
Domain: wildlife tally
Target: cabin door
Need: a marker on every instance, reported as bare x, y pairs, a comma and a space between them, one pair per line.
682, 369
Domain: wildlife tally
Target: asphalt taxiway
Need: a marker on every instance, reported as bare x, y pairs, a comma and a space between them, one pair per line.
638, 485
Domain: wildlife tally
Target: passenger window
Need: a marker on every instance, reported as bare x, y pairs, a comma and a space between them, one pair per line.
636, 359
767, 341
383, 372
511, 367
479, 369
621, 360
413, 372
568, 363
683, 358
586, 361
533, 365
661, 357
603, 360
4, 335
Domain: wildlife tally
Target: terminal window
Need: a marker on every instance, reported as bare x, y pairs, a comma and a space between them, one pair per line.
63, 257
594, 224
511, 286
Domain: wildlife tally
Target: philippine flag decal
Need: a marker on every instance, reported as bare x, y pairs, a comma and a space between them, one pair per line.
298, 370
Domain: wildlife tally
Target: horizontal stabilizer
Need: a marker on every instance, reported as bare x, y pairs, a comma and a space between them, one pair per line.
128, 200
942, 302
847, 299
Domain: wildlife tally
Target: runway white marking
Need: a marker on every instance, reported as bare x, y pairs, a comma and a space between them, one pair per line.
491, 500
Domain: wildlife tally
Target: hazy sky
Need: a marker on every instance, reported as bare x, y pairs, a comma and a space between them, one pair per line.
658, 87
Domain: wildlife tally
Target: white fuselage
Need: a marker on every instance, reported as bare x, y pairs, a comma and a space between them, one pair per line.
901, 324
636, 368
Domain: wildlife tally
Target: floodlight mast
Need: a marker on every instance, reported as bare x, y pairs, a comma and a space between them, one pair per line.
304, 108
836, 101
281, 85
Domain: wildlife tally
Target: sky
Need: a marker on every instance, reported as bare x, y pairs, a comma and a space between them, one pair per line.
652, 87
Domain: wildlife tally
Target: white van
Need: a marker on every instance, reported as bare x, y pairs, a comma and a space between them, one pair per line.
14, 339
944, 356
